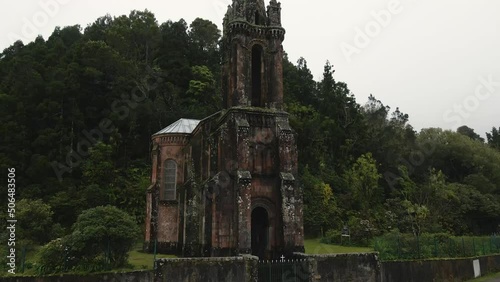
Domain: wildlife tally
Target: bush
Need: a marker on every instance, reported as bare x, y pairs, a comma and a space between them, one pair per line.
361, 233
362, 230
332, 237
35, 225
105, 230
54, 256
101, 240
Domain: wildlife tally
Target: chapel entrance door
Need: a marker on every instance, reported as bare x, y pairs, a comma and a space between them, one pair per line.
260, 232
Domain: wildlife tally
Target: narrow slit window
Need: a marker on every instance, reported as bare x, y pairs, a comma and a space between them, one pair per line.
257, 53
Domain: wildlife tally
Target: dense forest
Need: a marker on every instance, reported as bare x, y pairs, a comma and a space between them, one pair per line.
78, 110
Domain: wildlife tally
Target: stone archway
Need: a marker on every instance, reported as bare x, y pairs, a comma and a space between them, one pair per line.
260, 231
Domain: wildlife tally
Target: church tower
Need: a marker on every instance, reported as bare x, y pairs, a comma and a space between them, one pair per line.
253, 55
226, 185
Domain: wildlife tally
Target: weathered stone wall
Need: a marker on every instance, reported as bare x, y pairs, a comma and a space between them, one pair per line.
450, 270
355, 267
490, 264
229, 269
168, 214
324, 268
343, 267
137, 276
162, 215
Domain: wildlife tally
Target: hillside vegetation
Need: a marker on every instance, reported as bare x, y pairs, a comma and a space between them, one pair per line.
78, 110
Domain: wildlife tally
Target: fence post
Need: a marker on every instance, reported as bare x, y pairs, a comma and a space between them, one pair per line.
399, 247
473, 247
435, 247
108, 255
154, 253
418, 247
450, 251
270, 271
23, 259
482, 245
295, 271
463, 247
66, 257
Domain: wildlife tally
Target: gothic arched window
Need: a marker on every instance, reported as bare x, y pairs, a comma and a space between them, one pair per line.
169, 180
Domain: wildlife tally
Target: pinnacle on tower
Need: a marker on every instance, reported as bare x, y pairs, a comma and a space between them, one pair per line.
254, 12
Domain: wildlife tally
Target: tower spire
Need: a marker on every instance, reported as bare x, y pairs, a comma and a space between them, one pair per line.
253, 55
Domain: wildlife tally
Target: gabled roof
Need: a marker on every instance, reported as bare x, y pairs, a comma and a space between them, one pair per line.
182, 126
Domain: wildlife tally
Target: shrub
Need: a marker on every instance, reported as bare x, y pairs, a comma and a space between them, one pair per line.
100, 240
332, 237
54, 256
35, 225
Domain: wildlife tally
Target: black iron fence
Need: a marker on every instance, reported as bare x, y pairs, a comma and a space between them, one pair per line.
283, 271
405, 246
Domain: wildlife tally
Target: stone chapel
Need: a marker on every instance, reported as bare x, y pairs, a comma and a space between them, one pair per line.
227, 185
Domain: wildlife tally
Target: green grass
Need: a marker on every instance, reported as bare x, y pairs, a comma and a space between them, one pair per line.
31, 257
140, 260
313, 246
487, 278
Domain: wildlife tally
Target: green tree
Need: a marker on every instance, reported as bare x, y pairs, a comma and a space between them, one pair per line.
469, 132
99, 167
173, 54
320, 209
418, 200
106, 232
204, 43
201, 96
101, 239
494, 138
477, 211
457, 156
298, 83
362, 180
35, 224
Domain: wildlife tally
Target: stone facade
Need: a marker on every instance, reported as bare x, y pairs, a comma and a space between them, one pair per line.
226, 185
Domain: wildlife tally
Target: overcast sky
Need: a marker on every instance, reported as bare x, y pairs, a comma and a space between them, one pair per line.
438, 61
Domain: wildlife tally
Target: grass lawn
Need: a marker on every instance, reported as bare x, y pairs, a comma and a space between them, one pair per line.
488, 278
313, 246
141, 260
137, 259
